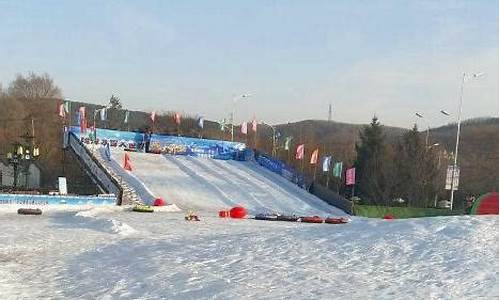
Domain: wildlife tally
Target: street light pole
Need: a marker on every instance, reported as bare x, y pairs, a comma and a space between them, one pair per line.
274, 137
459, 119
428, 128
233, 112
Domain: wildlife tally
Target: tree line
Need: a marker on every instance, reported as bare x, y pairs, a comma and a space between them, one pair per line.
390, 162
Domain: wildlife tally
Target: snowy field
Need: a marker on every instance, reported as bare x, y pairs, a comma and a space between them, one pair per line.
110, 253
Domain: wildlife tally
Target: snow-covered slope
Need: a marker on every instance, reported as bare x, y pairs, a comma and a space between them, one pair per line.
211, 185
110, 253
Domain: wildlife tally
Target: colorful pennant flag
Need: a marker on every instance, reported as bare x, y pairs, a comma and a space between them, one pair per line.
104, 113
326, 163
82, 121
300, 152
222, 124
177, 118
67, 105
62, 111
350, 176
314, 157
288, 141
127, 113
244, 128
201, 121
337, 169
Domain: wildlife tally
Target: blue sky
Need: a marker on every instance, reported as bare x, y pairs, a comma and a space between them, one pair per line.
389, 58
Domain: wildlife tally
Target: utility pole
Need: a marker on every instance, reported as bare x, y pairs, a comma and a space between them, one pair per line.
330, 112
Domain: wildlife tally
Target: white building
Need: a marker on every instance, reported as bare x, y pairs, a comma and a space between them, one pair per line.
7, 176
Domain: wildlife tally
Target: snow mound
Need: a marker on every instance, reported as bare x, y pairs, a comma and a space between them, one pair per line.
92, 220
122, 228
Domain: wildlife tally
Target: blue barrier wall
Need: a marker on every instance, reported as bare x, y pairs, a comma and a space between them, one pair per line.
48, 200
166, 144
281, 168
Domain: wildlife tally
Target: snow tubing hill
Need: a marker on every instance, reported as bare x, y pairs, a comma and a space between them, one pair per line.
212, 185
486, 205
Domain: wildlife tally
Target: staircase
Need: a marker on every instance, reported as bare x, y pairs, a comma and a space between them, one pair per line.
129, 195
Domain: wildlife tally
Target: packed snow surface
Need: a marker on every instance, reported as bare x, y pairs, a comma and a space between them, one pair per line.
111, 252
212, 185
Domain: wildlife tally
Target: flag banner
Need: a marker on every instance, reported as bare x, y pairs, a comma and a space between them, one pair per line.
452, 176
62, 111
288, 141
350, 176
67, 106
153, 116
244, 128
177, 118
337, 169
82, 112
254, 125
326, 163
165, 144
82, 120
201, 121
314, 157
222, 124
127, 113
104, 114
300, 152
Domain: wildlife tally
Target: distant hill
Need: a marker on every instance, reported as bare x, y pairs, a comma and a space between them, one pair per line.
478, 148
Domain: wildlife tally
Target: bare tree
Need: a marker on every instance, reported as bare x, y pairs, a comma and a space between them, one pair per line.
3, 92
33, 87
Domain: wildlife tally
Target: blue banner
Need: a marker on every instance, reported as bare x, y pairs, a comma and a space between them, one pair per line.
49, 200
165, 144
281, 168
194, 146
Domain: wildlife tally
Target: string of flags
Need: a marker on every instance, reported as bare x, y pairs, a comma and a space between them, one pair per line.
328, 163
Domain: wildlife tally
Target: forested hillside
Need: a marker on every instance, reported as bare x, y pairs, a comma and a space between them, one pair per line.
478, 155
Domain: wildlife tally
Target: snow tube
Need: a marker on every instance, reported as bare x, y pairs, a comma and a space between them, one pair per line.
287, 218
238, 212
336, 220
486, 205
314, 219
143, 208
29, 211
265, 217
223, 214
388, 217
159, 202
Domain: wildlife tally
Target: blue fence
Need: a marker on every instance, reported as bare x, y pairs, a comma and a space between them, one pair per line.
281, 168
165, 144
49, 200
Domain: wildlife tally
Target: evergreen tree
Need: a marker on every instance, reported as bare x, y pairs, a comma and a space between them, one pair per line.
115, 113
416, 170
372, 164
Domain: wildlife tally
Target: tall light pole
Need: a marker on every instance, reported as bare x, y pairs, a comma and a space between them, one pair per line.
465, 77
274, 137
233, 112
428, 127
